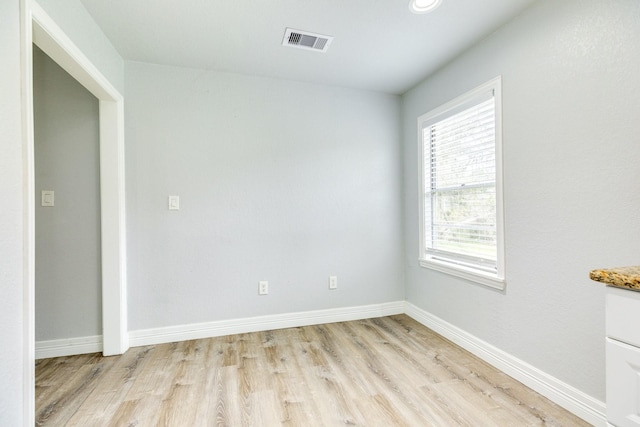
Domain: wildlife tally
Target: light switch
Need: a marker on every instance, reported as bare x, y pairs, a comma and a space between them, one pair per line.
47, 198
174, 203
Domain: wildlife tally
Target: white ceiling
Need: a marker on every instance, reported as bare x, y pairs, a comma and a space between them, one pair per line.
378, 44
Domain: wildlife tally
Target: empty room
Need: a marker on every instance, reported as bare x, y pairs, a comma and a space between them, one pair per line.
319, 212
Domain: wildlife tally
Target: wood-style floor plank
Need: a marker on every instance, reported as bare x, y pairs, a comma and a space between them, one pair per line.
388, 371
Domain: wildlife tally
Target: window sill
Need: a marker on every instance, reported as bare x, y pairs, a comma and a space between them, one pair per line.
469, 274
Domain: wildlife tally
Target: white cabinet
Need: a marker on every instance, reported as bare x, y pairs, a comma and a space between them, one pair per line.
623, 384
623, 357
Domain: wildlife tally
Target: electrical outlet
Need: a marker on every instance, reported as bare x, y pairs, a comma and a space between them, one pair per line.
333, 282
263, 289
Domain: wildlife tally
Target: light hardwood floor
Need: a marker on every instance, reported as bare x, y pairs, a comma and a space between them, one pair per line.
388, 371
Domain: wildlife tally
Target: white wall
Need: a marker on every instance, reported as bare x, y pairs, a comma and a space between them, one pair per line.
68, 265
571, 153
11, 244
280, 181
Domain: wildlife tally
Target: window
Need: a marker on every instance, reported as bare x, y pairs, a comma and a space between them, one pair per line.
461, 229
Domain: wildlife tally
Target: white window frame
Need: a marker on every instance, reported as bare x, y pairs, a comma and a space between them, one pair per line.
482, 276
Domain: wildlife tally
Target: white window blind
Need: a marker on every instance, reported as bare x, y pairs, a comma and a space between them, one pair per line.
461, 185
461, 206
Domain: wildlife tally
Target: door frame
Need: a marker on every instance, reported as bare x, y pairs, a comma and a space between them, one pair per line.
39, 29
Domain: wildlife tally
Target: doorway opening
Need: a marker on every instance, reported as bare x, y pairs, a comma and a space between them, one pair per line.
40, 30
68, 302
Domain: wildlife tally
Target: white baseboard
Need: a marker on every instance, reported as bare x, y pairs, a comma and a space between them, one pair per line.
570, 398
68, 347
261, 323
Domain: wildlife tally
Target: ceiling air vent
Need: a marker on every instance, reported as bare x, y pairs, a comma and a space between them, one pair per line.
306, 40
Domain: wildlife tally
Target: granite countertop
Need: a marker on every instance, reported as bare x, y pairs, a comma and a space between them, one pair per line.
621, 277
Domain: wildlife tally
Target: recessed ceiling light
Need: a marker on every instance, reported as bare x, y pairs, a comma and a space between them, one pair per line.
423, 6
